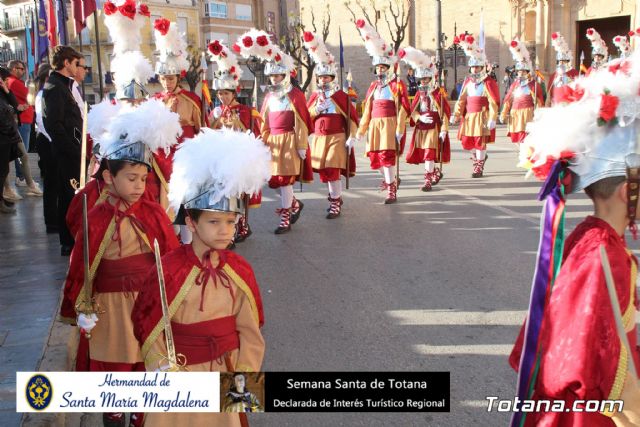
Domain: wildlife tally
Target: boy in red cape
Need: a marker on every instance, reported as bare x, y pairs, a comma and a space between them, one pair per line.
120, 232
384, 112
477, 107
232, 114
333, 143
523, 97
430, 114
218, 309
569, 348
286, 124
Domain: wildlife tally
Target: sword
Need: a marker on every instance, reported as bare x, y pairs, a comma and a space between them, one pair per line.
172, 358
348, 129
88, 305
83, 149
615, 304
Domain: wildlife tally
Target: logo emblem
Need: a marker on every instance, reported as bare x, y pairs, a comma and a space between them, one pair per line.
39, 392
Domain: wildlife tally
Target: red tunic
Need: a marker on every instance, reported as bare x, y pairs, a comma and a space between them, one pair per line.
582, 356
420, 155
551, 96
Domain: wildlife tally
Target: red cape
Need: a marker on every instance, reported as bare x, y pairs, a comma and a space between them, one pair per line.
340, 98
249, 116
580, 345
177, 265
156, 226
299, 103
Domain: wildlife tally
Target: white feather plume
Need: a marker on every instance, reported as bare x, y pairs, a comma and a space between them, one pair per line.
151, 122
99, 118
173, 44
470, 47
131, 65
264, 52
415, 58
596, 41
519, 51
373, 42
622, 43
232, 162
226, 60
560, 44
317, 49
124, 32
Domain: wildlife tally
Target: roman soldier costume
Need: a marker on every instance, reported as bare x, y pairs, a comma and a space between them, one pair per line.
286, 124
384, 112
430, 114
523, 97
235, 116
599, 50
477, 107
335, 122
560, 80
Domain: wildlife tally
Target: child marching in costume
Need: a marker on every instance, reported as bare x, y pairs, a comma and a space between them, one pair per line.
574, 347
232, 114
477, 107
286, 124
218, 309
564, 74
599, 50
430, 114
119, 234
384, 112
172, 63
335, 122
524, 95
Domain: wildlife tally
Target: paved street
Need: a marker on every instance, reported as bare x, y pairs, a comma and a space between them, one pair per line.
438, 282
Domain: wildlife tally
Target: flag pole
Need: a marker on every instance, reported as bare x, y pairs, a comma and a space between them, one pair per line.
81, 53
97, 30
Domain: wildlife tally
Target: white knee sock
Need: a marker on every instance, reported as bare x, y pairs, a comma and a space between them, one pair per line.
286, 194
335, 189
388, 173
429, 165
480, 154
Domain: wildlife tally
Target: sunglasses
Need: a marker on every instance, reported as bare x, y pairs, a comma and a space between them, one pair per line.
19, 68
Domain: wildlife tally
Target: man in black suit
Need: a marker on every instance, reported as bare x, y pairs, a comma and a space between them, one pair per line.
63, 122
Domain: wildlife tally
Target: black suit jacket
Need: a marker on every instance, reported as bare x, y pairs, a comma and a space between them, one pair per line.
62, 117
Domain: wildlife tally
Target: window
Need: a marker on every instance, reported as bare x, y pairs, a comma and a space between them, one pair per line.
88, 63
243, 12
182, 27
221, 37
215, 9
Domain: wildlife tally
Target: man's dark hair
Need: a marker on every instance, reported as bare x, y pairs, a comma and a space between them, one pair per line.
63, 53
604, 188
4, 73
113, 166
43, 74
194, 214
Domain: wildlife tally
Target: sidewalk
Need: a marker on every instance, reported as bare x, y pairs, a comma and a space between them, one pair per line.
31, 275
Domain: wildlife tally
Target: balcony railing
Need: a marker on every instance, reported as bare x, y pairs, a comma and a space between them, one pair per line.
7, 55
12, 23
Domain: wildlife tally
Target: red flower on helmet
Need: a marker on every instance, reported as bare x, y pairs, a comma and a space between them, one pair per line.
144, 10
608, 107
110, 8
590, 32
554, 35
269, 52
215, 47
630, 33
469, 39
128, 9
456, 40
162, 25
307, 36
236, 48
247, 41
277, 57
360, 23
617, 39
514, 43
232, 69
401, 53
262, 40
